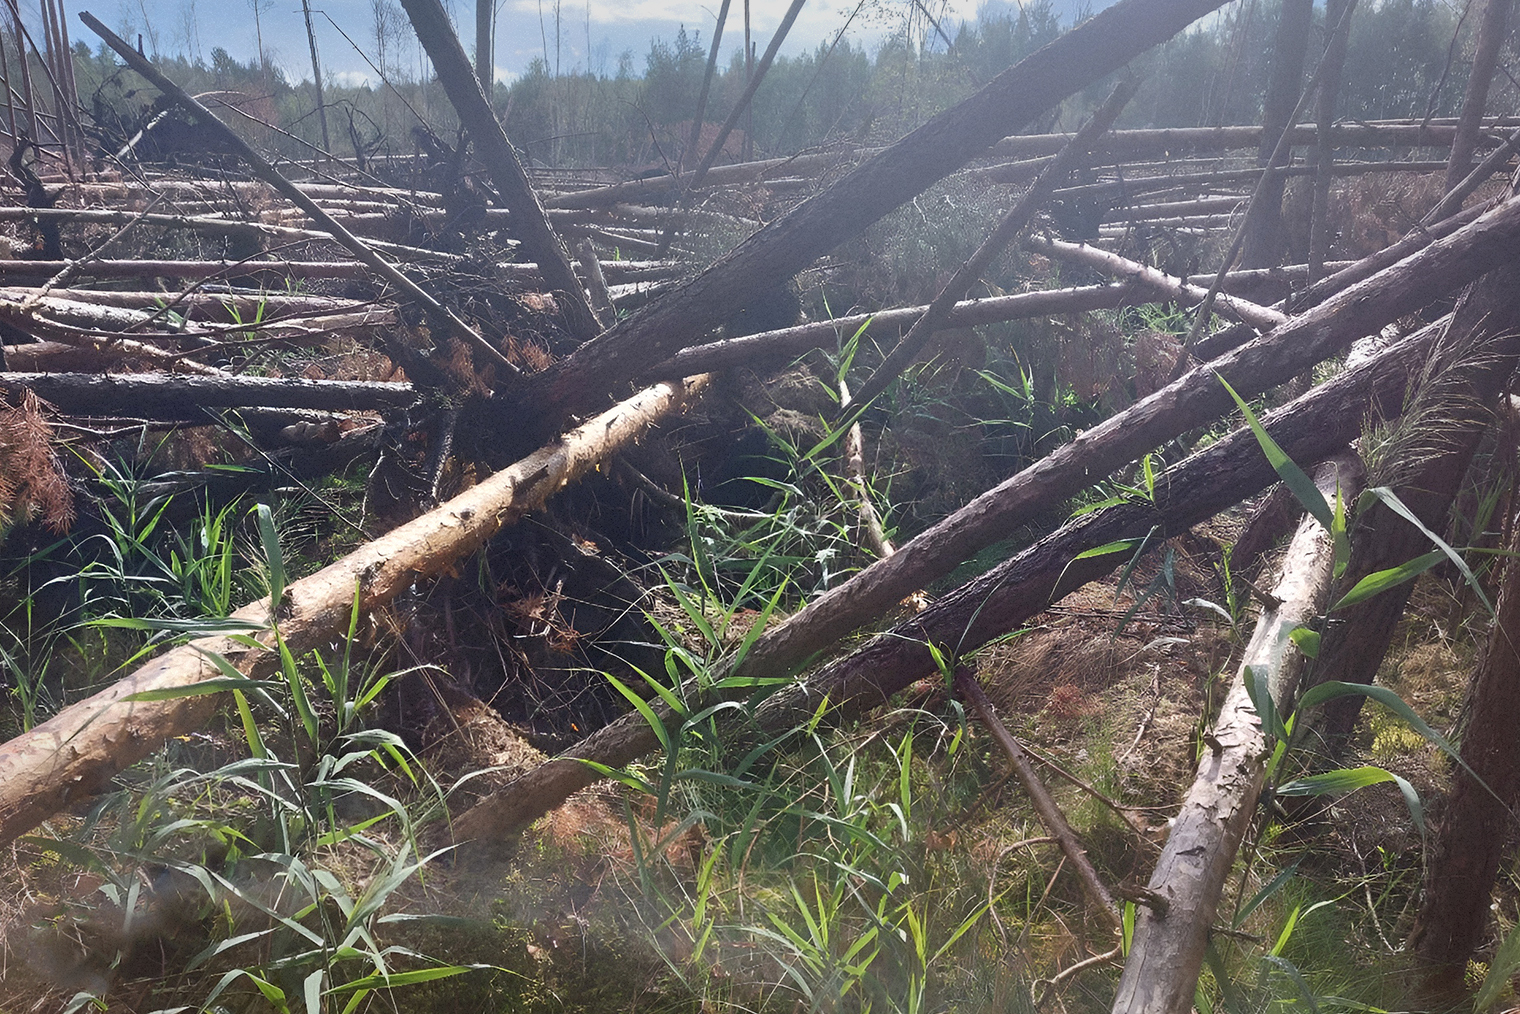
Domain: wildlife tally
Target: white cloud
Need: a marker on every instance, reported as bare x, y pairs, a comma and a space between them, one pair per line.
505, 75
350, 78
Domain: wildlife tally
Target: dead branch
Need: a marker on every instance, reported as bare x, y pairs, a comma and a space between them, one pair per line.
795, 341
1050, 814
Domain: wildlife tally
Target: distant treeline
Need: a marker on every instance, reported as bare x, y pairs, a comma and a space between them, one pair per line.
1406, 58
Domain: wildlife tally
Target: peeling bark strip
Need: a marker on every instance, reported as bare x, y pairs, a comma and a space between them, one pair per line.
1098, 47
1161, 974
1220, 476
528, 219
165, 396
74, 754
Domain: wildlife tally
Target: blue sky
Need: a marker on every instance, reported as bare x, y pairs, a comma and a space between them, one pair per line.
525, 28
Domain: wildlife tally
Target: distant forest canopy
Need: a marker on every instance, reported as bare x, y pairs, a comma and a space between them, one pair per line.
1407, 58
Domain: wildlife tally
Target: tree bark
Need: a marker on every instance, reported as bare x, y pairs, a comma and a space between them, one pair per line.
1099, 46
1192, 491
75, 754
1161, 973
169, 396
1474, 827
1263, 242
1491, 32
529, 220
1461, 384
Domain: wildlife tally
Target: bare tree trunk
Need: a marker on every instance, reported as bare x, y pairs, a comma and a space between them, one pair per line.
695, 140
529, 220
1338, 24
1474, 827
75, 753
1264, 241
1491, 32
1164, 285
1161, 973
485, 45
316, 74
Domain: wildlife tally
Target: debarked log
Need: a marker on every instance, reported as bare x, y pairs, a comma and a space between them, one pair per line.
168, 396
1161, 973
1214, 479
75, 753
1165, 285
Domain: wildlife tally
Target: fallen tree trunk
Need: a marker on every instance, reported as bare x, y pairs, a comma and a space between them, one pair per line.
795, 341
168, 396
1122, 145
1192, 491
185, 269
421, 369
1417, 239
1165, 285
1455, 396
1099, 46
214, 226
1161, 973
75, 753
228, 307
1469, 842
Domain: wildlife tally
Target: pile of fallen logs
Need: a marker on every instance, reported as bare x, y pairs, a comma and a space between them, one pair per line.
174, 347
